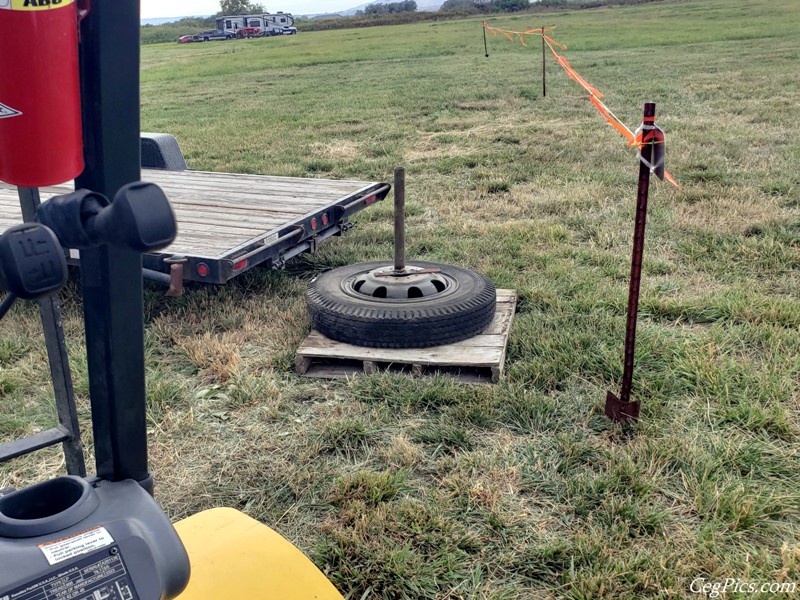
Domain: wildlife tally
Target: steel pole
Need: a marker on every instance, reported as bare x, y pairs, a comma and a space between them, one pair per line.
399, 219
642, 194
544, 84
622, 407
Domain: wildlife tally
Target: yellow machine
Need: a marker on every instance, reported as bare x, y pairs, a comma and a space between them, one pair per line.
234, 556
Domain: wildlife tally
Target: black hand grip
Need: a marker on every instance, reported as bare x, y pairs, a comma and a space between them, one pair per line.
68, 215
140, 218
32, 261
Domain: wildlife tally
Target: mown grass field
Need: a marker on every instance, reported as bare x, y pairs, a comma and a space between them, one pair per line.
403, 488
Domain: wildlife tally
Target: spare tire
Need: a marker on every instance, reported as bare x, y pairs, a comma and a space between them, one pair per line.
446, 304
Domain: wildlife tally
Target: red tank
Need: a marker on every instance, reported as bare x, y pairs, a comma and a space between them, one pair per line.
40, 106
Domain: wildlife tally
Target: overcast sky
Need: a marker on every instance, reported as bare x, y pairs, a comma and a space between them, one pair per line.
152, 9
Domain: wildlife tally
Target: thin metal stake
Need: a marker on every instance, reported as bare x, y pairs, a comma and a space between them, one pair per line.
399, 219
485, 47
623, 407
544, 85
50, 311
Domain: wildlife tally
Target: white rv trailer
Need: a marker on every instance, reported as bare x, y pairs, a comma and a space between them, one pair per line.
267, 24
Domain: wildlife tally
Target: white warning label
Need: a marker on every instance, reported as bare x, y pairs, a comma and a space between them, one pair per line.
99, 576
7, 111
75, 545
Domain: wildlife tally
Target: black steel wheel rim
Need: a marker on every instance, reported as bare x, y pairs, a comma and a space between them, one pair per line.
382, 285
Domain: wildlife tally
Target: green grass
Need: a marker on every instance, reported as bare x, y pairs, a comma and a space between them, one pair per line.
403, 488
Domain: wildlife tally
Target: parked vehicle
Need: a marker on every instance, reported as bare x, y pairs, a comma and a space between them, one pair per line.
267, 24
214, 34
248, 32
185, 39
289, 30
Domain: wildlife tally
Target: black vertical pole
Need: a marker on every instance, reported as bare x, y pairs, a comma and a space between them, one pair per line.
622, 407
544, 84
112, 278
485, 47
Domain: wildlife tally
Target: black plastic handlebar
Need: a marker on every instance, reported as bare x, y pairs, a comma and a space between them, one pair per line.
140, 218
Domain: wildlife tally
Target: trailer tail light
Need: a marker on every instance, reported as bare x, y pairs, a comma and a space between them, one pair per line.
325, 219
240, 264
202, 269
370, 200
314, 223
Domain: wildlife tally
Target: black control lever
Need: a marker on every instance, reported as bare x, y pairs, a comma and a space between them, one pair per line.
140, 218
32, 263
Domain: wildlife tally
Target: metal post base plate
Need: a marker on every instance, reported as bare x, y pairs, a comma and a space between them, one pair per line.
617, 410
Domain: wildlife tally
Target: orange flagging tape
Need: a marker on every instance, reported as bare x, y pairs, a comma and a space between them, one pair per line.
517, 34
594, 93
615, 123
573, 74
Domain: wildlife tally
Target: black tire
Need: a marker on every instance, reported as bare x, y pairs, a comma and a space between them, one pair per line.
462, 311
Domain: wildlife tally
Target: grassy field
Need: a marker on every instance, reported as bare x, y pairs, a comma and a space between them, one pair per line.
403, 488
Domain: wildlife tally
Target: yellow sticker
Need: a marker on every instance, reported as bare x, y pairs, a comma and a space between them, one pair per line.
37, 4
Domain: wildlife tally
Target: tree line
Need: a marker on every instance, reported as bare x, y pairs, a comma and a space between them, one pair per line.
380, 8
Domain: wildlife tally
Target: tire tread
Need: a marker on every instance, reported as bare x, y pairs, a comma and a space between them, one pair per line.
443, 320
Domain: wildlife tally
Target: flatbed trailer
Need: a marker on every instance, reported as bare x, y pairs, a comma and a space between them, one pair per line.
229, 222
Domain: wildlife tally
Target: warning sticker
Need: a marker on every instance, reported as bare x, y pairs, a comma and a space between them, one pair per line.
34, 4
75, 545
7, 111
102, 576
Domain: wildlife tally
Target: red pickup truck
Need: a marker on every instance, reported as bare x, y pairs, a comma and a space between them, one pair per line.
248, 32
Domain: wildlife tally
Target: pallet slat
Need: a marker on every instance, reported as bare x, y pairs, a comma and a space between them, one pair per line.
477, 359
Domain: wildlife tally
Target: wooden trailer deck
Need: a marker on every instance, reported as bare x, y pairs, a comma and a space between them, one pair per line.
228, 223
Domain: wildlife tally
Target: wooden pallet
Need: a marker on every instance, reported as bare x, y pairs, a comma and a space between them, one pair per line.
476, 360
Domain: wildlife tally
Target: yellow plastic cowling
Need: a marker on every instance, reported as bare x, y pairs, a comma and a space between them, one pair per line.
237, 558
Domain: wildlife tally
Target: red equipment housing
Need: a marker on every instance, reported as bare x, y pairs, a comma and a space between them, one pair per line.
40, 102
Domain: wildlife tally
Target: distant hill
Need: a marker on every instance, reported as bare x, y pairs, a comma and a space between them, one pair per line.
422, 5
162, 20
429, 5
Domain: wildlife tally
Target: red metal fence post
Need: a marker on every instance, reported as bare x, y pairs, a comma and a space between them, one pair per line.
623, 407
